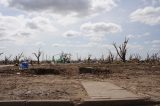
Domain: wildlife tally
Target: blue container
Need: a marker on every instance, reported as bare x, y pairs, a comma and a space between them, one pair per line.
24, 65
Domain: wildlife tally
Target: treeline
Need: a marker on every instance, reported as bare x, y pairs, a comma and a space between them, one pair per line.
66, 58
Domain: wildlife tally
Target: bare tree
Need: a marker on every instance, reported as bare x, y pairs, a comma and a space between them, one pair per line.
89, 58
152, 58
67, 57
110, 57
79, 59
18, 57
135, 58
122, 50
147, 58
1, 54
6, 59
130, 57
102, 59
38, 55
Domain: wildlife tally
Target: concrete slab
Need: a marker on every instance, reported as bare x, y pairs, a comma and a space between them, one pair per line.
106, 90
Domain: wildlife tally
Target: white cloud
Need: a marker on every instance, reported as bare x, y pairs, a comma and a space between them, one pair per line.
151, 2
137, 36
9, 23
156, 42
96, 38
130, 36
40, 43
100, 27
155, 2
41, 19
87, 45
55, 6
146, 42
135, 46
96, 31
67, 20
156, 46
4, 2
108, 46
5, 39
21, 29
63, 12
12, 28
40, 23
152, 42
147, 15
58, 45
71, 34
103, 5
63, 7
2, 47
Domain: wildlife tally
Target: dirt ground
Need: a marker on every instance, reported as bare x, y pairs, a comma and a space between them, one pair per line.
142, 79
17, 87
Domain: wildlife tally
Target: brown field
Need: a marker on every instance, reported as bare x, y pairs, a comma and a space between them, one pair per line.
63, 81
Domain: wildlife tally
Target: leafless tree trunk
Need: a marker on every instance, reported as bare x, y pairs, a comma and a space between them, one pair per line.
38, 55
6, 59
89, 58
110, 57
102, 59
135, 58
153, 58
147, 58
1, 54
130, 57
18, 57
122, 50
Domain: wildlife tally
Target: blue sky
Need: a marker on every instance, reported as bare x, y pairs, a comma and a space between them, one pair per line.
79, 26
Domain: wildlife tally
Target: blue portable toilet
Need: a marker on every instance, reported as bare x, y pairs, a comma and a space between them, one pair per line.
24, 65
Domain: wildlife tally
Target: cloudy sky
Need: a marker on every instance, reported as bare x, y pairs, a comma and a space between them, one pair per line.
79, 26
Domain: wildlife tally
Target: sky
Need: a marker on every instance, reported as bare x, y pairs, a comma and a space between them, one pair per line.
79, 27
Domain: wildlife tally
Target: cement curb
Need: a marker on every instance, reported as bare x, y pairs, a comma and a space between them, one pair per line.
49, 103
36, 103
86, 102
13, 103
115, 102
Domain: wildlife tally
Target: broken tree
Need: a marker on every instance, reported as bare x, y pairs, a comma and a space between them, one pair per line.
122, 50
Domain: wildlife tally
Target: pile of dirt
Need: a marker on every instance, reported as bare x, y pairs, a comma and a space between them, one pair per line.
43, 71
9, 69
54, 69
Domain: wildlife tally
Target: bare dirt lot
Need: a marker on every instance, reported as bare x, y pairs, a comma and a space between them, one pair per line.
142, 79
17, 87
